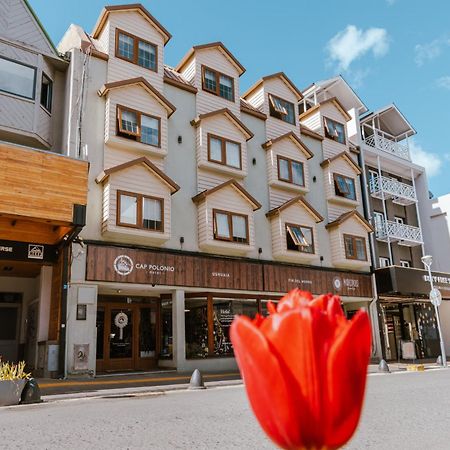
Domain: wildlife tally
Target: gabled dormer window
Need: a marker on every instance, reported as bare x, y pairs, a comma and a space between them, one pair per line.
217, 83
281, 109
224, 151
136, 50
290, 171
230, 226
334, 130
299, 238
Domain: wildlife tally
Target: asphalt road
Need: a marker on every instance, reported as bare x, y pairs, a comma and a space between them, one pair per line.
402, 411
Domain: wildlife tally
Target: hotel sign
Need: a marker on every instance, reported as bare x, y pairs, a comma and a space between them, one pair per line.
27, 251
140, 266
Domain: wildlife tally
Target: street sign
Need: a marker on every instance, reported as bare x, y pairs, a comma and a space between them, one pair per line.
436, 297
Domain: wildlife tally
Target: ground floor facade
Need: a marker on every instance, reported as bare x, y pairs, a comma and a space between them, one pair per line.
407, 317
132, 309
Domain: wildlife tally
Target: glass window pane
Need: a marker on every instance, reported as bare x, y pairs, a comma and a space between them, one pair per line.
233, 154
8, 323
121, 334
146, 55
284, 169
290, 116
149, 130
152, 214
297, 173
351, 189
360, 249
126, 46
348, 241
147, 333
222, 226
196, 328
17, 79
100, 324
215, 149
308, 237
210, 80
166, 329
129, 121
226, 87
128, 209
46, 93
239, 228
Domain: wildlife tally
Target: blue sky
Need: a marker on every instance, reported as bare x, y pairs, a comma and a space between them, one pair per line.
389, 50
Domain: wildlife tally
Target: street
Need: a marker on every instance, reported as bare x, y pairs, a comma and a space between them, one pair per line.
402, 411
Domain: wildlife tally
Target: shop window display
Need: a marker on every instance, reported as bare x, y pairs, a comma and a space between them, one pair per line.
196, 325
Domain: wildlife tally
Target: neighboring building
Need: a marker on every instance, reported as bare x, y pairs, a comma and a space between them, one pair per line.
201, 204
42, 191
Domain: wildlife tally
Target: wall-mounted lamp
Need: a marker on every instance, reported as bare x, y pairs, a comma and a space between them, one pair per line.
254, 161
259, 250
314, 178
180, 139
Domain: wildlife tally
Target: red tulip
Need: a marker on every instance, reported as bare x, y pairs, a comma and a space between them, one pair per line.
304, 369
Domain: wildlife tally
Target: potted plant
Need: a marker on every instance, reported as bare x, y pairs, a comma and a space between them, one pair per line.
12, 381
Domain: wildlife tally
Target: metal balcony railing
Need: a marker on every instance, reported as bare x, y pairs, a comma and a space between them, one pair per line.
383, 141
407, 235
401, 193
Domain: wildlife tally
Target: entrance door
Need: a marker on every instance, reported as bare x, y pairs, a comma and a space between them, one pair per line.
9, 326
126, 336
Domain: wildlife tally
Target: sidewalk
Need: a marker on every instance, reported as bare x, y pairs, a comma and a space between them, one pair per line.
153, 382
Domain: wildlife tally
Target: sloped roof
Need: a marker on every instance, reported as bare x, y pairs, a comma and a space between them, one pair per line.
308, 132
294, 138
345, 156
220, 46
335, 102
148, 164
298, 199
143, 83
171, 76
233, 183
225, 111
130, 7
248, 108
280, 75
348, 215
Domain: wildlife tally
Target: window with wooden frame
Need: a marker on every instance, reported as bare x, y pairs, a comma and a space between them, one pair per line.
299, 238
46, 92
136, 50
140, 211
138, 126
217, 83
355, 247
281, 109
290, 171
334, 130
230, 226
224, 151
344, 186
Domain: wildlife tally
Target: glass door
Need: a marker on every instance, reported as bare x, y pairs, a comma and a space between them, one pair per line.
121, 334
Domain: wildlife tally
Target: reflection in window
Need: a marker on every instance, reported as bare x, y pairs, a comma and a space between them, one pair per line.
166, 330
196, 328
128, 209
344, 187
334, 130
16, 78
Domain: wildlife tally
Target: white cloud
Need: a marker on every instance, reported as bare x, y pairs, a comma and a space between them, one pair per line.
431, 161
430, 50
444, 82
353, 43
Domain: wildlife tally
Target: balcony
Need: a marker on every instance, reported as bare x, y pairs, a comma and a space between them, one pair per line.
42, 194
400, 193
407, 235
385, 142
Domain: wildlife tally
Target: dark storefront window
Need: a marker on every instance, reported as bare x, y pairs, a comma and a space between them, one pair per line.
166, 330
147, 333
196, 325
100, 331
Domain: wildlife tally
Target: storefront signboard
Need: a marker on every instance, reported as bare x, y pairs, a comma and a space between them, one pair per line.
142, 266
27, 251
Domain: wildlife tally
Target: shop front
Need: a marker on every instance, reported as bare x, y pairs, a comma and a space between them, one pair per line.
408, 318
174, 309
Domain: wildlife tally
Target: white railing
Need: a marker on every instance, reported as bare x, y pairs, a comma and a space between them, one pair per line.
381, 141
393, 187
398, 232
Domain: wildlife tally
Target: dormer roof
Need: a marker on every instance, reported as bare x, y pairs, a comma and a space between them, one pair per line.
334, 101
141, 81
148, 164
282, 76
344, 155
232, 183
294, 138
232, 117
136, 7
298, 199
348, 215
220, 46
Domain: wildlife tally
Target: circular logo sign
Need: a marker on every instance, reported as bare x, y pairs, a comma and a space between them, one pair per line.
337, 283
123, 265
121, 320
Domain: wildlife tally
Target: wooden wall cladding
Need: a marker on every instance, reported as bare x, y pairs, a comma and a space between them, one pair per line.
41, 185
120, 264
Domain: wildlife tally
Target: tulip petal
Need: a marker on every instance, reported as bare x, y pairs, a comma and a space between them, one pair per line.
347, 374
268, 393
301, 338
294, 299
